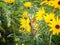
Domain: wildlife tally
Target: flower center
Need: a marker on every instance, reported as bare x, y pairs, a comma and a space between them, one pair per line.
57, 26
48, 0
50, 19
59, 2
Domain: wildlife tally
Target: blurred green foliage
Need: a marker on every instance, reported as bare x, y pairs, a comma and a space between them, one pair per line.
10, 15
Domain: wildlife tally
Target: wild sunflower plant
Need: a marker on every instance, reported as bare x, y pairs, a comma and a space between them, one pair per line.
29, 22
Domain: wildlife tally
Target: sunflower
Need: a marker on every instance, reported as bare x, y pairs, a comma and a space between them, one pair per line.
55, 26
56, 3
40, 14
22, 43
27, 4
25, 14
16, 39
25, 24
49, 17
9, 1
17, 44
49, 2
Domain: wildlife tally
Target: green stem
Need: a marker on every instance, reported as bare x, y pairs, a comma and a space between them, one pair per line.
50, 39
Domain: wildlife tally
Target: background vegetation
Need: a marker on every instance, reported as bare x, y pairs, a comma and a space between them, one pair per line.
11, 32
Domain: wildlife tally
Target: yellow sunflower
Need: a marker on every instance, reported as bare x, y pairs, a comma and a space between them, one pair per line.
25, 14
56, 4
9, 1
49, 17
25, 23
27, 4
17, 44
22, 43
40, 14
49, 2
55, 26
16, 39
